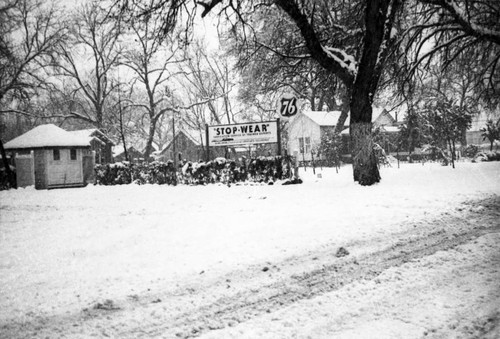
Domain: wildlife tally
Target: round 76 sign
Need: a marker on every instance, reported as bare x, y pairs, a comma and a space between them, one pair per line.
288, 106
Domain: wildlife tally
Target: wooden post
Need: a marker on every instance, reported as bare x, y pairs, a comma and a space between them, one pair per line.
173, 144
296, 164
279, 135
208, 143
312, 161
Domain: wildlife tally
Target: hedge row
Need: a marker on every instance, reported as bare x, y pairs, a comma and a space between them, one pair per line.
220, 170
487, 156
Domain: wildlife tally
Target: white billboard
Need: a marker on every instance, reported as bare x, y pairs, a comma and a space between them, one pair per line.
240, 134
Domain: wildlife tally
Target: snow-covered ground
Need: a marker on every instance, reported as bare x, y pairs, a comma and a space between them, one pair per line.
64, 251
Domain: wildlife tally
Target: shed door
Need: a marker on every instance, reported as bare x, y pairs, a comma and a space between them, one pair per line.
65, 167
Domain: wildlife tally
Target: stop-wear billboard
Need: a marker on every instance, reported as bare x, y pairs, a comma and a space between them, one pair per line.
239, 134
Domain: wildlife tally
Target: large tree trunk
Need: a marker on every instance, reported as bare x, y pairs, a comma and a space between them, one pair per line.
149, 144
378, 21
364, 161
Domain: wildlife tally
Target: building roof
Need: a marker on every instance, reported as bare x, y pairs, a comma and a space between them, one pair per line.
119, 150
47, 136
93, 133
190, 134
325, 118
384, 128
193, 135
330, 118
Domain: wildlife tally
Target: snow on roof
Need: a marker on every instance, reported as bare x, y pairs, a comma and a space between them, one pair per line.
119, 149
391, 129
90, 133
385, 128
193, 135
86, 133
47, 136
325, 118
330, 118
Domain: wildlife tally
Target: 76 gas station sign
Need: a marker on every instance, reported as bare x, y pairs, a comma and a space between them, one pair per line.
288, 106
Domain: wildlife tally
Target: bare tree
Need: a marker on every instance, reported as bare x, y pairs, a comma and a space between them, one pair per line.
205, 77
150, 57
30, 34
89, 59
445, 32
320, 31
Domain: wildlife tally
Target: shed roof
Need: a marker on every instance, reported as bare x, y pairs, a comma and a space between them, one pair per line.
47, 136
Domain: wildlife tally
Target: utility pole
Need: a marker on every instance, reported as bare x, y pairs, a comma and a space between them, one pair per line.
173, 141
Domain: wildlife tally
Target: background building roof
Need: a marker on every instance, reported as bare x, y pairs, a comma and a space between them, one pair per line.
93, 133
325, 118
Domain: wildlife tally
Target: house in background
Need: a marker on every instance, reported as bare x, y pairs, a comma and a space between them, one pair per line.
133, 154
474, 135
188, 146
99, 142
307, 128
49, 157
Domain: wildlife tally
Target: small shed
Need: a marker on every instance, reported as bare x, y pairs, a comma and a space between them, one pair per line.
50, 157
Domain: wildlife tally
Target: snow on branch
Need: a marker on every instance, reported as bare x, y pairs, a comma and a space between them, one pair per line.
467, 20
344, 59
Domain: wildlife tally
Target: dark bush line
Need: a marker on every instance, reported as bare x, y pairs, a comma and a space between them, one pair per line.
487, 156
220, 170
6, 181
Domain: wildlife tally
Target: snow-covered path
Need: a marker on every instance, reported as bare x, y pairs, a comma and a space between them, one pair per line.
65, 251
451, 294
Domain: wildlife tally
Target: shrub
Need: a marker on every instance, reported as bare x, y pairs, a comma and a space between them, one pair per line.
471, 151
7, 182
261, 169
487, 156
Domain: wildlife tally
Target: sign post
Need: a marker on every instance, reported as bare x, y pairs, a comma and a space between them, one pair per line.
208, 143
279, 135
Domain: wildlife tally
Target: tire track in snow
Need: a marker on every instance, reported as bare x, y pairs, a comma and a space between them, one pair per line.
451, 230
193, 310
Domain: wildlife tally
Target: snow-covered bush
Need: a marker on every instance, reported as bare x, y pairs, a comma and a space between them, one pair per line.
220, 170
487, 156
471, 151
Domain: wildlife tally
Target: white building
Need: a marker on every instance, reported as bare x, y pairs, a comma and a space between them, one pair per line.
306, 129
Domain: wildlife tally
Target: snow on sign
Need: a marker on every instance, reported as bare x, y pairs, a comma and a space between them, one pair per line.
239, 134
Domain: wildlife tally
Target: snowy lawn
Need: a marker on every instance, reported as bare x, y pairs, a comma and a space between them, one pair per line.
64, 250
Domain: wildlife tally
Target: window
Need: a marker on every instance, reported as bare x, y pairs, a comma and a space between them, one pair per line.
72, 154
57, 155
305, 145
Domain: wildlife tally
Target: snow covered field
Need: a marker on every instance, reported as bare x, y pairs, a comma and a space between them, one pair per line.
107, 261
